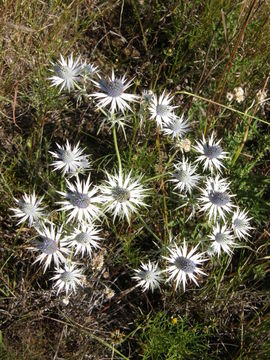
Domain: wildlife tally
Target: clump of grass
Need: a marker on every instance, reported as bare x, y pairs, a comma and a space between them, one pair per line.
172, 338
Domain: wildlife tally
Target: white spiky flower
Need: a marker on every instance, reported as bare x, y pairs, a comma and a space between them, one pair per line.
52, 245
161, 110
113, 93
147, 96
216, 199
211, 153
241, 223
183, 265
89, 70
123, 195
222, 239
184, 176
81, 201
84, 239
148, 276
67, 278
70, 160
176, 127
29, 208
116, 120
67, 73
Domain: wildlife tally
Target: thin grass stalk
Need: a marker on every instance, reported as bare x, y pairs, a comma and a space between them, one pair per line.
79, 327
229, 64
223, 106
240, 148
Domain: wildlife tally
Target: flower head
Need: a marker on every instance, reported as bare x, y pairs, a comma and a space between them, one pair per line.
113, 92
211, 153
183, 144
81, 201
89, 70
176, 127
222, 239
239, 94
184, 265
216, 198
70, 160
147, 96
184, 176
85, 238
52, 246
161, 110
116, 120
148, 276
68, 278
240, 224
122, 195
29, 209
229, 96
67, 73
261, 96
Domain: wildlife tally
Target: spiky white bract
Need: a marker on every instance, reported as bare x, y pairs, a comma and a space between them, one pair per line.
211, 153
113, 93
148, 276
161, 110
183, 264
84, 239
81, 201
241, 223
29, 208
116, 120
89, 70
176, 127
52, 245
216, 199
122, 195
222, 239
184, 176
70, 160
147, 96
67, 73
67, 278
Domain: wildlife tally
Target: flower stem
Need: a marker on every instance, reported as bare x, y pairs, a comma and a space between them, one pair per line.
148, 228
162, 188
156, 177
116, 149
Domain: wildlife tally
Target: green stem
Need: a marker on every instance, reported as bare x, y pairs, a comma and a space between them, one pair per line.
117, 150
171, 158
78, 87
156, 177
70, 256
148, 228
132, 140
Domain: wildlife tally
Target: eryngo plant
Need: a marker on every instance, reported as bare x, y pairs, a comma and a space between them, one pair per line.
125, 195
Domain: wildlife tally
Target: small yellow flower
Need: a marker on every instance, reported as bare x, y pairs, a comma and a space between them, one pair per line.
174, 320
